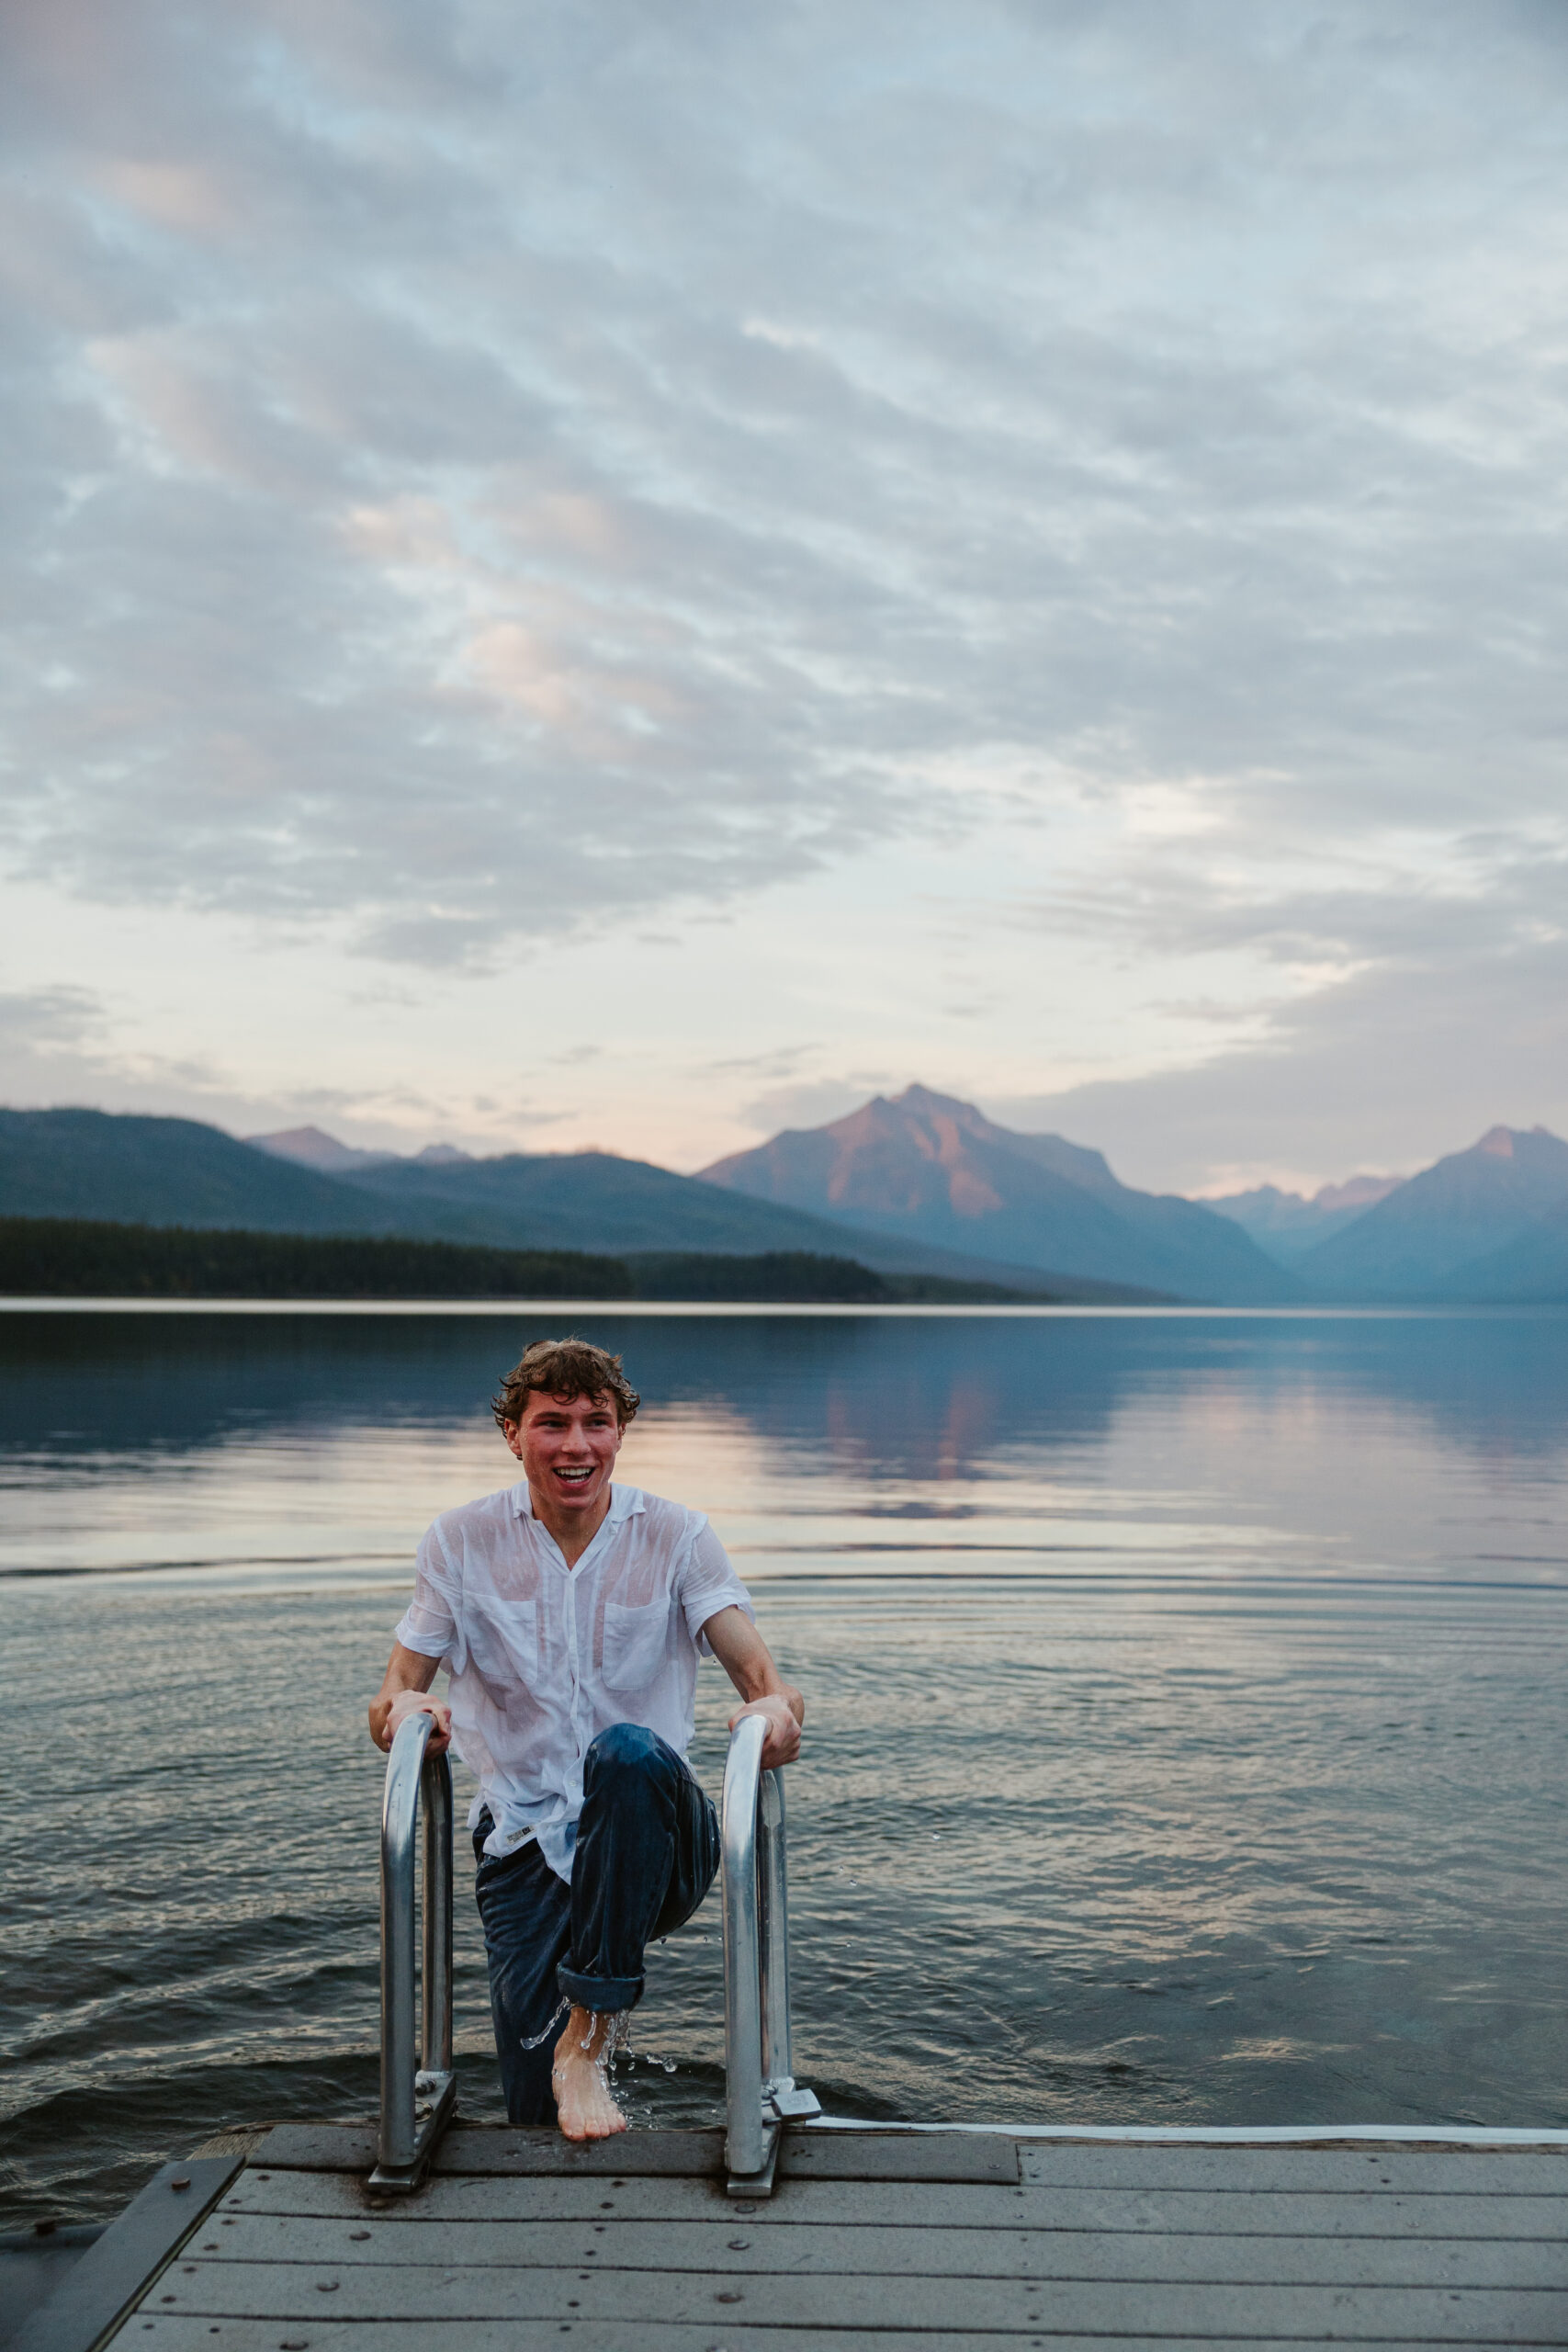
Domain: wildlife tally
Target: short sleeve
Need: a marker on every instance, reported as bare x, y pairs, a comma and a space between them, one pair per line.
430, 1622
707, 1583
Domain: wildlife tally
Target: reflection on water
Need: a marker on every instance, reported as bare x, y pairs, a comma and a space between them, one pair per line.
1186, 1736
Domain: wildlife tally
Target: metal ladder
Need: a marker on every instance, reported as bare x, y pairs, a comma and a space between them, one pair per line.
760, 2087
418, 2102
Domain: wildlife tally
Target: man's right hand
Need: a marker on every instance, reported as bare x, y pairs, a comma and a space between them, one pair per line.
781, 1742
403, 1693
389, 1716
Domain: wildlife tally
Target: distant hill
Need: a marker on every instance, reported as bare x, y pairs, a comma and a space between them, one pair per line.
165, 1171
1530, 1270
1287, 1224
928, 1168
134, 1169
1424, 1240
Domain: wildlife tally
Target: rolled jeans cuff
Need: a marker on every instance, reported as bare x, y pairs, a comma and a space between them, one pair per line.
601, 1992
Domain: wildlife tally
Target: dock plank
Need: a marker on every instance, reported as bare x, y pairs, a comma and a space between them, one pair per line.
1359, 2212
169, 2333
828, 2156
491, 2149
488, 2150
957, 2156
722, 2249
1459, 2172
443, 2292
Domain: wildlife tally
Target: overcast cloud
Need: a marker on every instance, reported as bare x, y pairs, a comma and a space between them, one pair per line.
484, 481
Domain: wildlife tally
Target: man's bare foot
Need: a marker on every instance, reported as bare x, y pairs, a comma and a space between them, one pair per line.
584, 2107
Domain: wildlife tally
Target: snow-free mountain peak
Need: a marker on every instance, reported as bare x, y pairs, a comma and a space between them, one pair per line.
313, 1148
936, 1169
1287, 1224
1464, 1208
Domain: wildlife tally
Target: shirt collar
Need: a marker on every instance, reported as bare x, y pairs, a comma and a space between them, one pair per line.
624, 1502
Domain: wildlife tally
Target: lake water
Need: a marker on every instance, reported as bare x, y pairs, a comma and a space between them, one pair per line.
1187, 1740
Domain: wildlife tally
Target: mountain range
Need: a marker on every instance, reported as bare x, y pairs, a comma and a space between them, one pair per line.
1488, 1224
1479, 1224
137, 1170
1287, 1224
919, 1184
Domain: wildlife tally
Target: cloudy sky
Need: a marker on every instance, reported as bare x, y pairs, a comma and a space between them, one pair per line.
632, 574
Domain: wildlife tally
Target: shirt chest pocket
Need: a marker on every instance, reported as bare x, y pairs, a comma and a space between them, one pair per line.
503, 1644
635, 1643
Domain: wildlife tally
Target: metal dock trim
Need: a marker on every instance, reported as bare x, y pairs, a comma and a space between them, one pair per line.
1240, 2135
117, 2269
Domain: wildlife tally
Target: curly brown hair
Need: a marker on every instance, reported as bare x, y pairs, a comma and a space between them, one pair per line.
564, 1368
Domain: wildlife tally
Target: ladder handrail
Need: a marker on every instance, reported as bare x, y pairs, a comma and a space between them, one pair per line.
759, 2084
416, 2102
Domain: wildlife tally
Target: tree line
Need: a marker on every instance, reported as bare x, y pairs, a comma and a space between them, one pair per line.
87, 1257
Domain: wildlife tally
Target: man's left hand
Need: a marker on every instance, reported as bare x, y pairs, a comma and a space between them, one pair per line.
782, 1743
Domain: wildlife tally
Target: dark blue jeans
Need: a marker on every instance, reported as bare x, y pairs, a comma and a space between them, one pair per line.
647, 1852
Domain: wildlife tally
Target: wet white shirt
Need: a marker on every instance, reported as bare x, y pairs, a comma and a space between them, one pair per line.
543, 1657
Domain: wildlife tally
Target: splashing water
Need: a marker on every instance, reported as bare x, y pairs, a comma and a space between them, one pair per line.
618, 2040
622, 2082
534, 2040
616, 2043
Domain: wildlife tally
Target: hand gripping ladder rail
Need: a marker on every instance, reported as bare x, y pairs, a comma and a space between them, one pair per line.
760, 2089
416, 2105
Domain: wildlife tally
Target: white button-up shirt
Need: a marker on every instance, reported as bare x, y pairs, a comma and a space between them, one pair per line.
543, 1657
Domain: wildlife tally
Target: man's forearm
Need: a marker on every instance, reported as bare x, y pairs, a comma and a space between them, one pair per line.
745, 1658
775, 1687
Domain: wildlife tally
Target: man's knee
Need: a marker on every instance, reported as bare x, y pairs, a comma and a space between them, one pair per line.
625, 1752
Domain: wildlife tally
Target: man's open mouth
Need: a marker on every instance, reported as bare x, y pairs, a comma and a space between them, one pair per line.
576, 1478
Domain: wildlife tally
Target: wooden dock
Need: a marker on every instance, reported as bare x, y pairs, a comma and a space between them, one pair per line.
902, 2241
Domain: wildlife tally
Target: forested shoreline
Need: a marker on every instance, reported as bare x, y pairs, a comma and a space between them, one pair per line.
88, 1258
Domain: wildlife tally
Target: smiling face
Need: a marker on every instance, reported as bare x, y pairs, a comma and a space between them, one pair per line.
567, 1447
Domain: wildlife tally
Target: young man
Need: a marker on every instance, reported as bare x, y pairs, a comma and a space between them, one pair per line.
569, 1614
